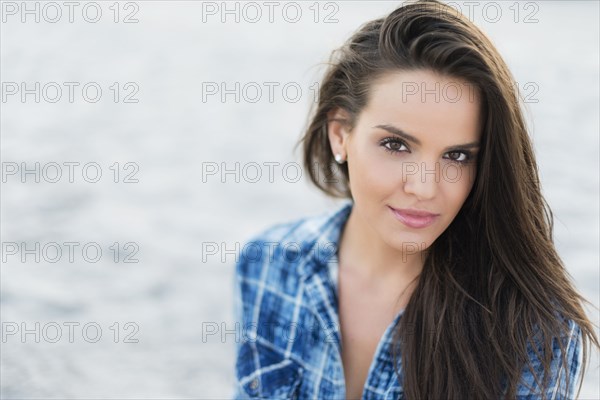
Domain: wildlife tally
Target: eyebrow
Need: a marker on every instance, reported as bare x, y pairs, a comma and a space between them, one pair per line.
397, 131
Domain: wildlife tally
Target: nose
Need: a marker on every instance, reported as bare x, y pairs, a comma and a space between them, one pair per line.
421, 179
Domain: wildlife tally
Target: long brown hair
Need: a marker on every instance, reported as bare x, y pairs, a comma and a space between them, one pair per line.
493, 280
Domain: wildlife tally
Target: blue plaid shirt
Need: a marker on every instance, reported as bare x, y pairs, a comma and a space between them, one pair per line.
287, 312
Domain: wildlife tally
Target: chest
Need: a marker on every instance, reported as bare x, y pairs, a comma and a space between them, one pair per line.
365, 313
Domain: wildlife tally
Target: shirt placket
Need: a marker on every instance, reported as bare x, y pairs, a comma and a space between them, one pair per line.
321, 296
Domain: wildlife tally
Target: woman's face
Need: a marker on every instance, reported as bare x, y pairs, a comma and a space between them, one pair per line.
413, 148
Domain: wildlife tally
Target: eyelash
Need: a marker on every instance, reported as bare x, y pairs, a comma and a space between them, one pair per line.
387, 140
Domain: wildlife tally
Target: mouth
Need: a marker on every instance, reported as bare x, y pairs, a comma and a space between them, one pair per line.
414, 218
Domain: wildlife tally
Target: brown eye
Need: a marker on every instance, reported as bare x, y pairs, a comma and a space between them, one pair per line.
458, 156
393, 145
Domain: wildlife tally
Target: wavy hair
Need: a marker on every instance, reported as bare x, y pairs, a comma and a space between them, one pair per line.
465, 330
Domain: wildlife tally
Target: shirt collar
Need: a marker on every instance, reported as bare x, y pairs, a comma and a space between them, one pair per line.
323, 241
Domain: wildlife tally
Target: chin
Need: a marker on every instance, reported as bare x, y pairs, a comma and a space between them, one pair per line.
410, 243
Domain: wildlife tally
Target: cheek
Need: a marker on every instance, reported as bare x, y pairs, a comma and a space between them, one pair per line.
456, 186
370, 173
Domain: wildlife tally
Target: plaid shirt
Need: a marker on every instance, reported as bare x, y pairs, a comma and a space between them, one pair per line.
287, 309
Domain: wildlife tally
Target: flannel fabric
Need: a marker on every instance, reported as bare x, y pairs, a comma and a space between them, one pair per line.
287, 312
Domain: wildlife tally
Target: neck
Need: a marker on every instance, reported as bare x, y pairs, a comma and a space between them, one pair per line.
363, 252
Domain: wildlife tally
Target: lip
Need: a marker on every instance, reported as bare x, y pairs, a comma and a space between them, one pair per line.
414, 218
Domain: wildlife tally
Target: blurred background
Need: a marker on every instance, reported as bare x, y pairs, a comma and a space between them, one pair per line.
142, 143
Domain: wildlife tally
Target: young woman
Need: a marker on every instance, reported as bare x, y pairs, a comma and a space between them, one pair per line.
438, 278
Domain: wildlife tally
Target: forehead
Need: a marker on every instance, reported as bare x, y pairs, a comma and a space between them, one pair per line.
426, 105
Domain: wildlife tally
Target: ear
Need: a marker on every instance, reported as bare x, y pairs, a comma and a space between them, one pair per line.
338, 130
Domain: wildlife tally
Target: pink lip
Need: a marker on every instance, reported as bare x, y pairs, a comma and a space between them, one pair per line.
414, 218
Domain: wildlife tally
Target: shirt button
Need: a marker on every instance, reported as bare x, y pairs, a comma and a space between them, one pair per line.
254, 384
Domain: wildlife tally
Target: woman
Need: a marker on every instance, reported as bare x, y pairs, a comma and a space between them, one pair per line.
438, 279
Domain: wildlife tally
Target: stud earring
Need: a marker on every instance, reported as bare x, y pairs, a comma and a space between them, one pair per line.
339, 159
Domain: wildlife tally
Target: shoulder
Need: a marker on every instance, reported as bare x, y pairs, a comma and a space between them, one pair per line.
565, 365
287, 244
